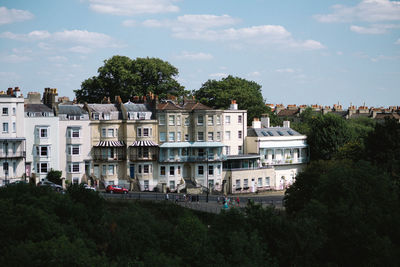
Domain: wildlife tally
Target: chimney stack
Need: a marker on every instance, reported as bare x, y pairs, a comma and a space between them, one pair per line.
233, 105
256, 124
286, 124
265, 122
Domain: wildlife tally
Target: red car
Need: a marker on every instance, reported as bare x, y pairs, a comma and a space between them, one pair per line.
116, 189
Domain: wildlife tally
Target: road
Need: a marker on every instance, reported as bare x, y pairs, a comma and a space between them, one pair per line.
213, 205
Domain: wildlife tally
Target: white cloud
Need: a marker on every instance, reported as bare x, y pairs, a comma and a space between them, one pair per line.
13, 15
285, 70
133, 7
82, 41
14, 58
80, 49
373, 29
218, 75
254, 74
58, 59
214, 28
153, 23
94, 39
129, 23
366, 10
339, 53
32, 36
397, 42
195, 56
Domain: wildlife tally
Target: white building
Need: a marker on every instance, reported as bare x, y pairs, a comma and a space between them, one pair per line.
75, 143
12, 136
234, 129
42, 138
280, 148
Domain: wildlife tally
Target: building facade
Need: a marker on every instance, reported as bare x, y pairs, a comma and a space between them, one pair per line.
42, 138
12, 137
75, 143
282, 149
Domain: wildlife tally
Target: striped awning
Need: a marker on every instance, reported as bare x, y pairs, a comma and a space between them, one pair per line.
144, 143
110, 144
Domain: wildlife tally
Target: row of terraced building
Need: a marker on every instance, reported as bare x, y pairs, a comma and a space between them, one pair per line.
145, 144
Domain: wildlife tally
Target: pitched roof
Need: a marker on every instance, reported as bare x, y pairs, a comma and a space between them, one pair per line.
381, 116
103, 108
136, 107
37, 108
288, 112
168, 106
71, 110
272, 132
195, 106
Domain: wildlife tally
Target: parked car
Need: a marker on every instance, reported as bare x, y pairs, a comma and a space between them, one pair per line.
116, 189
52, 185
89, 187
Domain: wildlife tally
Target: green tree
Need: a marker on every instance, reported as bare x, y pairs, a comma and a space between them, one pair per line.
125, 77
353, 207
328, 133
383, 147
54, 176
218, 94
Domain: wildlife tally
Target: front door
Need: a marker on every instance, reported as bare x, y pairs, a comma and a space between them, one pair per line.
96, 171
132, 170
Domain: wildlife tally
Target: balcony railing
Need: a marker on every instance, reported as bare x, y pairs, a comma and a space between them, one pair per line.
285, 161
115, 157
193, 158
138, 157
16, 154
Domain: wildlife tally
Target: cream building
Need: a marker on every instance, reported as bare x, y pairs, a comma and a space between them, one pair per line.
141, 138
108, 147
191, 148
234, 129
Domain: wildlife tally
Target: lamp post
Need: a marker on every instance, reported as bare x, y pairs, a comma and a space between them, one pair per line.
6, 162
207, 175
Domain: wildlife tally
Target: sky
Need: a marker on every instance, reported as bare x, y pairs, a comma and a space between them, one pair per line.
300, 52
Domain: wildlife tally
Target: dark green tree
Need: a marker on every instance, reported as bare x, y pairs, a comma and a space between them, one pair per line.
54, 176
328, 133
218, 94
125, 77
383, 147
354, 208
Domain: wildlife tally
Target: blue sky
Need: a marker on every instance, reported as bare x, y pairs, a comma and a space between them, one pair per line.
300, 52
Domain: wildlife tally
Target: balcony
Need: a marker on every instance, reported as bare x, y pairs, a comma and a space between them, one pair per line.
285, 161
16, 154
115, 157
142, 157
193, 158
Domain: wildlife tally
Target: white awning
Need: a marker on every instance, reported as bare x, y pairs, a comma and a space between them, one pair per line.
110, 144
144, 143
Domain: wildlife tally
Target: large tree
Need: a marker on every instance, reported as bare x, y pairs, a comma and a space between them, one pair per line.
218, 94
127, 77
327, 134
353, 207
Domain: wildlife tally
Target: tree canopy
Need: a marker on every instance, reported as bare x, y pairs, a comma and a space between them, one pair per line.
218, 94
127, 77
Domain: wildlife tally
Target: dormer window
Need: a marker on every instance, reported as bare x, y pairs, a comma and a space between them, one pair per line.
96, 116
106, 116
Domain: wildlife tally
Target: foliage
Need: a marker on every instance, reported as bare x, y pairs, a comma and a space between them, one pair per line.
355, 208
218, 94
54, 176
383, 148
125, 77
328, 133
